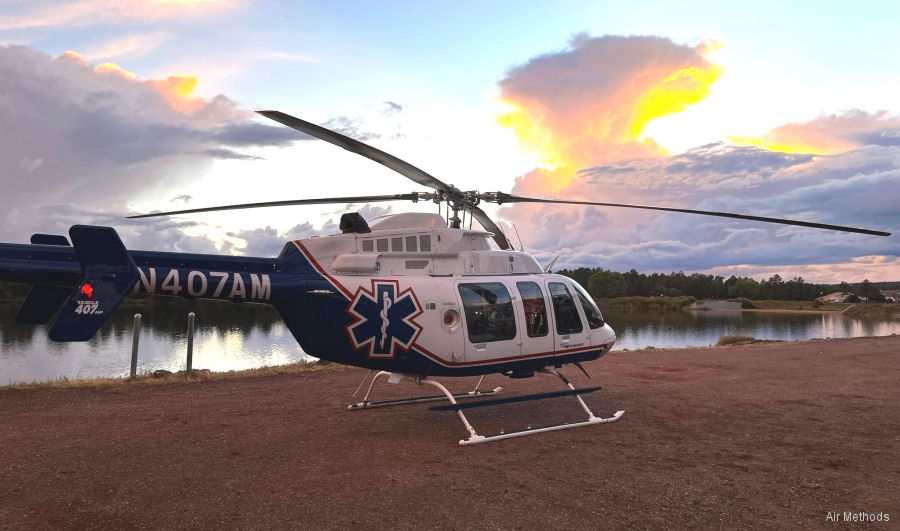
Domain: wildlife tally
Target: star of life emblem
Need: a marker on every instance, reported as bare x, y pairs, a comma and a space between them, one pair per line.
383, 319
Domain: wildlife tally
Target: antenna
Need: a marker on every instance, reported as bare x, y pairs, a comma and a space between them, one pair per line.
551, 264
521, 245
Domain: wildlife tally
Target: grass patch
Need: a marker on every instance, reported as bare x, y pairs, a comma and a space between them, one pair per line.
746, 304
647, 303
800, 305
890, 312
734, 340
197, 375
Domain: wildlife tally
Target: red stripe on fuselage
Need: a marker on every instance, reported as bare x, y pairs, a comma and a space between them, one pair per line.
321, 271
446, 363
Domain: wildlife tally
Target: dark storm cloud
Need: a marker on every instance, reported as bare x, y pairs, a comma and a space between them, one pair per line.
227, 154
859, 188
96, 137
251, 134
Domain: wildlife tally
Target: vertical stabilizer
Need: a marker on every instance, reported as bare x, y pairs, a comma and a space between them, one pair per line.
109, 274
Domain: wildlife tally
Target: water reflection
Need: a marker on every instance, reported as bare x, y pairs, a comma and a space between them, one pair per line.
232, 337
226, 337
703, 328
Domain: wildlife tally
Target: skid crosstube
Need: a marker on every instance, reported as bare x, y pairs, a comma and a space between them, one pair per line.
395, 378
474, 437
419, 400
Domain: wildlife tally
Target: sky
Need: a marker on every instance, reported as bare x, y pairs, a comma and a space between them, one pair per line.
775, 109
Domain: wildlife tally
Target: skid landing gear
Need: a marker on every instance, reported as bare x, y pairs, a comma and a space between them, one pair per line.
474, 437
397, 377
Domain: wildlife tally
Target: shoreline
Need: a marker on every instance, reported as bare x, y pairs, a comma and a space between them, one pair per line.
206, 375
767, 310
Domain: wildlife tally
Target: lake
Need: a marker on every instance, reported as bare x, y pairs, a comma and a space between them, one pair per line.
234, 337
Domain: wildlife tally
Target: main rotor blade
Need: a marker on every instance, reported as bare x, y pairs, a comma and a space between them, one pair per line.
400, 166
319, 201
508, 198
490, 226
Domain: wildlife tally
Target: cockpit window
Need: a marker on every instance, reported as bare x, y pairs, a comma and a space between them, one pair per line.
591, 311
567, 319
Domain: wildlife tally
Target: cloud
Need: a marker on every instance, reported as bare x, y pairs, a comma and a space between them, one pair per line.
857, 188
591, 102
227, 154
583, 110
97, 136
129, 46
391, 108
349, 127
28, 14
269, 241
830, 134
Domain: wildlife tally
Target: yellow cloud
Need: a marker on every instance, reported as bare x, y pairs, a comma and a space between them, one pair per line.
177, 90
828, 134
112, 68
590, 104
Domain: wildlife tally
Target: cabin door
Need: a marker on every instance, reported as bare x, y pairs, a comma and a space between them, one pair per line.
533, 305
490, 321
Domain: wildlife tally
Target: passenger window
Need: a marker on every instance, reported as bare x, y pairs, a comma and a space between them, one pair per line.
535, 309
567, 319
591, 311
489, 312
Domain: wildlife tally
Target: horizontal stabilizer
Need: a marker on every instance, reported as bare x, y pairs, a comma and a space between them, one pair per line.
109, 274
41, 303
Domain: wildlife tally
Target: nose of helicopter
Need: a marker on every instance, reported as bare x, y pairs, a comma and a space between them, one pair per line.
607, 338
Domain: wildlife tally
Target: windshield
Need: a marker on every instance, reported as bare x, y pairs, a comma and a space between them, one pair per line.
591, 311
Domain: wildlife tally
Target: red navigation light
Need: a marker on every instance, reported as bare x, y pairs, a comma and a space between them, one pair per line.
87, 290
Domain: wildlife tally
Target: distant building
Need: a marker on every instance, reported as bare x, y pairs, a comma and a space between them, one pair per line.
837, 296
891, 295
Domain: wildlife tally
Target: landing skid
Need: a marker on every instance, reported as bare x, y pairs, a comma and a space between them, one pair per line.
474, 437
366, 404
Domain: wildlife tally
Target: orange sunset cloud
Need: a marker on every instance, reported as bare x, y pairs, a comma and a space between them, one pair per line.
590, 104
829, 134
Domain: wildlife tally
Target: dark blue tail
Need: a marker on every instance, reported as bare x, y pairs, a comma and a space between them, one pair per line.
109, 274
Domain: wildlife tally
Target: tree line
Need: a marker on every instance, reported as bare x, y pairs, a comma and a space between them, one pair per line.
603, 283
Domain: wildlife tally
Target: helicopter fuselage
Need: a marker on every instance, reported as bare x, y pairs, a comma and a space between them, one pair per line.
415, 296
408, 295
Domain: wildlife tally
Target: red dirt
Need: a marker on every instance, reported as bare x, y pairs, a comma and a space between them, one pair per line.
760, 436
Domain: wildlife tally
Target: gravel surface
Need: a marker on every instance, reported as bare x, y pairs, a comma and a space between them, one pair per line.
758, 436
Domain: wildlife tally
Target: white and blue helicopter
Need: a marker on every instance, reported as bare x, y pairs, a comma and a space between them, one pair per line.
413, 296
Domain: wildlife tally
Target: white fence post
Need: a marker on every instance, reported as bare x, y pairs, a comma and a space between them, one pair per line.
136, 338
190, 342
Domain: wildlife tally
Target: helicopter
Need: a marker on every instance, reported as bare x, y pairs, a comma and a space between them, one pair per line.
413, 296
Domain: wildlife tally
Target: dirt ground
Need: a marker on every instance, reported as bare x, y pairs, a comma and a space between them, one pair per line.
758, 436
